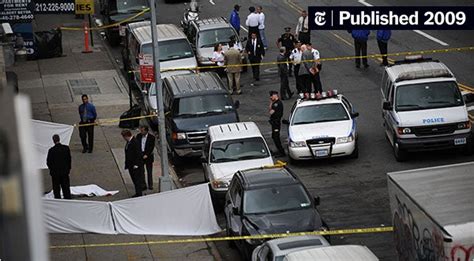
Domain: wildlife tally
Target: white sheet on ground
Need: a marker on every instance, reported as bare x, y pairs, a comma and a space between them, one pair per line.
43, 132
187, 211
182, 212
91, 190
78, 216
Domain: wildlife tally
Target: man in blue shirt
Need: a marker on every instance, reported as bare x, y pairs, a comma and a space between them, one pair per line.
382, 40
360, 44
88, 116
235, 18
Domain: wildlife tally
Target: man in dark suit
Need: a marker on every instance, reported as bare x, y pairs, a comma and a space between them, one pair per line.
134, 162
59, 165
147, 142
255, 51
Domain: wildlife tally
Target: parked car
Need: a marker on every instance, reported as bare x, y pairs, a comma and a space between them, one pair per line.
266, 201
114, 11
231, 147
344, 252
193, 103
175, 51
277, 249
423, 108
322, 126
204, 34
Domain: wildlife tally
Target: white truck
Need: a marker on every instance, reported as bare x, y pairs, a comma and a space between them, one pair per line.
433, 212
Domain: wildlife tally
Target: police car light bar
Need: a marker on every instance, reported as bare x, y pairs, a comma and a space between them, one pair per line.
318, 96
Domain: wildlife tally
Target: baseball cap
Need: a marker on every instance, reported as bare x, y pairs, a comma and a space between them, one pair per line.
272, 93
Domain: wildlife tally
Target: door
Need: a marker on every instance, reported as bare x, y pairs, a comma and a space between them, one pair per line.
389, 115
235, 201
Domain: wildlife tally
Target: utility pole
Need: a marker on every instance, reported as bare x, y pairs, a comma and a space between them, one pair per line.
165, 181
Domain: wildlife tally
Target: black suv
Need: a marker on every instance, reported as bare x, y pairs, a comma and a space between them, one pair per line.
193, 102
114, 11
267, 201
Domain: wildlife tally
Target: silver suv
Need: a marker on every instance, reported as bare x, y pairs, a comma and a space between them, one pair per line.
206, 33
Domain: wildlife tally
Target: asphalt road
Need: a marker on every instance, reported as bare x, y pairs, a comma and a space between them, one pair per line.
353, 192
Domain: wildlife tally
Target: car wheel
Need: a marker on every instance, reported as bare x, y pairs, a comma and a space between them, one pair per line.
400, 154
175, 158
355, 153
113, 38
293, 162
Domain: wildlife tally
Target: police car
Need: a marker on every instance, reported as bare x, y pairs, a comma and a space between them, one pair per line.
321, 126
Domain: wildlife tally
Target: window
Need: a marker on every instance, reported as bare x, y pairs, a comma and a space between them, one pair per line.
239, 149
347, 104
275, 199
206, 147
238, 197
263, 253
319, 113
204, 104
128, 6
384, 84
210, 38
170, 50
428, 96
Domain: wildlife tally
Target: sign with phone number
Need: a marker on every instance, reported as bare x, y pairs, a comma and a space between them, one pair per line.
16, 11
54, 6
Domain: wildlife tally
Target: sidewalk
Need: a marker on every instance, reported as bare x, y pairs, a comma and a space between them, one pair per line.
54, 87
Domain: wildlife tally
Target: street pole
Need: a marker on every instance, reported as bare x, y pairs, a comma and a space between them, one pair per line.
165, 181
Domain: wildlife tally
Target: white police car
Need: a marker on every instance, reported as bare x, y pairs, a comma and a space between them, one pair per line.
321, 126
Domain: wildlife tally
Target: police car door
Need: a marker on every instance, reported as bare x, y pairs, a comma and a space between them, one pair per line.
389, 115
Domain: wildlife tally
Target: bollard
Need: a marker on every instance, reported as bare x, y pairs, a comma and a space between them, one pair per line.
86, 38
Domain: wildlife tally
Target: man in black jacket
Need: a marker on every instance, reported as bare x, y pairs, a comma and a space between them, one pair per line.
147, 142
134, 162
276, 113
255, 51
59, 165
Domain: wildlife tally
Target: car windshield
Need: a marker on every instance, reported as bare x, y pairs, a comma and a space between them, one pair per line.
210, 38
171, 50
203, 104
130, 6
428, 96
319, 113
276, 199
240, 149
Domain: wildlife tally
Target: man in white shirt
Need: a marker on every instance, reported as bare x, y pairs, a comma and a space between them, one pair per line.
295, 56
252, 22
302, 29
316, 79
261, 26
147, 142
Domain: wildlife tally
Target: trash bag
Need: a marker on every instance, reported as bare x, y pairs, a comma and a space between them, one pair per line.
135, 111
48, 44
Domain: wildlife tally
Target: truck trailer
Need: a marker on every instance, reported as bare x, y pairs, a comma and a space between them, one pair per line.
433, 212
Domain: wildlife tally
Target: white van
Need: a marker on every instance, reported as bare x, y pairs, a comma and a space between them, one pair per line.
175, 51
333, 253
423, 108
229, 148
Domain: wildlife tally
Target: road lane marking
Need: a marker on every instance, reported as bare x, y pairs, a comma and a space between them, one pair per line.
342, 39
432, 38
468, 88
243, 28
293, 5
212, 2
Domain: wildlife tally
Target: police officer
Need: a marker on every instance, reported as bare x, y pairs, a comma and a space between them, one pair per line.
276, 112
287, 40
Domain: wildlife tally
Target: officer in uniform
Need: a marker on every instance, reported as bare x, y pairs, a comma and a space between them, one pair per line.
287, 40
276, 113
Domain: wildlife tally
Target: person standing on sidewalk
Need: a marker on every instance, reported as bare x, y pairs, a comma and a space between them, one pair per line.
261, 26
147, 141
360, 45
232, 61
295, 57
134, 162
235, 18
302, 30
288, 41
88, 115
255, 53
252, 22
382, 40
59, 165
282, 62
276, 113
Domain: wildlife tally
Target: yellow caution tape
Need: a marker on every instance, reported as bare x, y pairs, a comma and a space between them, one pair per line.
114, 120
106, 26
341, 58
214, 239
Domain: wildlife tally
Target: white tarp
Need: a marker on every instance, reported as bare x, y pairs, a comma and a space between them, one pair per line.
78, 216
43, 132
91, 190
182, 212
187, 211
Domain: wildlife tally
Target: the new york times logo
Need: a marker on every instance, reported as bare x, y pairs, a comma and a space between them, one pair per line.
395, 18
